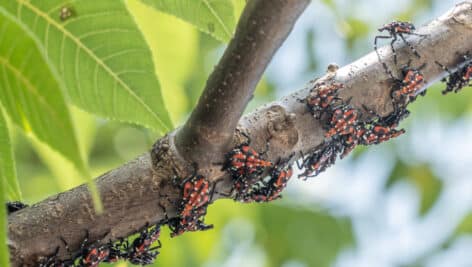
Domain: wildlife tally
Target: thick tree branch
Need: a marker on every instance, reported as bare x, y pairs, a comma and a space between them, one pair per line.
132, 192
262, 28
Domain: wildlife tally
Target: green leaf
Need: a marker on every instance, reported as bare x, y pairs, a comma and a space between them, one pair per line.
7, 163
215, 17
100, 55
32, 97
175, 48
238, 7
85, 128
7, 173
313, 238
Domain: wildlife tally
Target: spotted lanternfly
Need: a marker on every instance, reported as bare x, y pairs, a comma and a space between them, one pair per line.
179, 226
395, 117
196, 195
244, 161
66, 13
89, 256
343, 121
321, 159
395, 29
321, 97
115, 252
353, 139
140, 251
380, 133
459, 78
271, 190
92, 255
244, 164
406, 89
280, 176
15, 206
411, 84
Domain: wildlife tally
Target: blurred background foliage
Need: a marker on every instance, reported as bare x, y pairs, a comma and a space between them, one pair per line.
404, 203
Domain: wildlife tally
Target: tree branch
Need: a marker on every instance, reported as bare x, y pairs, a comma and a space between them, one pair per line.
262, 28
132, 193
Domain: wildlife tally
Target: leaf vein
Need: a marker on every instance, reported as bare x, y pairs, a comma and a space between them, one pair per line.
218, 18
107, 69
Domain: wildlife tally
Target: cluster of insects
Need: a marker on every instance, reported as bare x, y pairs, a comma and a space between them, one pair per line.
455, 81
265, 191
246, 165
323, 157
345, 124
141, 251
459, 78
326, 95
406, 88
196, 196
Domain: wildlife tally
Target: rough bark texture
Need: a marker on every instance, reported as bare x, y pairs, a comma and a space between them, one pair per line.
132, 192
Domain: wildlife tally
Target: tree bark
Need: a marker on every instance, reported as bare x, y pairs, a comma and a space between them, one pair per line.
132, 193
263, 27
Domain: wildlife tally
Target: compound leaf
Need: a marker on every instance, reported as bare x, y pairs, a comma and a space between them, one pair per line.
32, 97
100, 56
215, 17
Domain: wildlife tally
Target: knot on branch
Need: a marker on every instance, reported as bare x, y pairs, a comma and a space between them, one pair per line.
160, 153
280, 134
281, 128
165, 156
